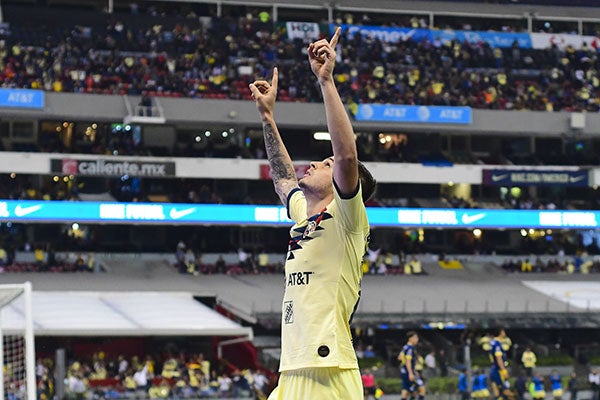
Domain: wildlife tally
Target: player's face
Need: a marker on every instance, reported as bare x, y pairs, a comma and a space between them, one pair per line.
414, 340
319, 176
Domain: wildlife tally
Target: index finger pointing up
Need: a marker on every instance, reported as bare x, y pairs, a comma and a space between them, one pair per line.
275, 78
336, 36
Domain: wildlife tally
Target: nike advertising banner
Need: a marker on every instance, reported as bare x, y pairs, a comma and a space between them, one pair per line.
514, 177
232, 214
109, 167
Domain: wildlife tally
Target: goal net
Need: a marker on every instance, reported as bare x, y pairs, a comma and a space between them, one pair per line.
17, 351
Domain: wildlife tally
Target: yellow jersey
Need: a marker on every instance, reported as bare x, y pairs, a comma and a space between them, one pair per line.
322, 282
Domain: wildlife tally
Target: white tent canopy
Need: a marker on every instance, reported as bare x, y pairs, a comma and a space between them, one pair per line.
77, 313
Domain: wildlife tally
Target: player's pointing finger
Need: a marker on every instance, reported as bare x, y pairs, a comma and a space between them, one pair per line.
336, 37
275, 78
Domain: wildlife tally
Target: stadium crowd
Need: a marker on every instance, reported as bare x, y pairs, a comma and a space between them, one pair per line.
218, 57
563, 265
181, 376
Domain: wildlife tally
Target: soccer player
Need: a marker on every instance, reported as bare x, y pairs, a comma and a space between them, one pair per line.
411, 381
498, 372
328, 241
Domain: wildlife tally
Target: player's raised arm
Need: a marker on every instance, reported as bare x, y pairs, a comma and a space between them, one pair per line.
282, 169
322, 55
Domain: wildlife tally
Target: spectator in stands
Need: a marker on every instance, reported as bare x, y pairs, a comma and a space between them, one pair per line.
240, 385
180, 257
373, 254
573, 385
225, 384
160, 390
220, 265
141, 378
190, 261
3, 256
556, 384
145, 106
369, 384
123, 364
327, 206
416, 267
594, 381
40, 257
442, 362
529, 360
521, 387
407, 268
259, 383
463, 385
263, 261
431, 365
76, 386
536, 387
244, 260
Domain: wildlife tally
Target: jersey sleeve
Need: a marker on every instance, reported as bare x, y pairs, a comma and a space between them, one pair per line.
497, 349
352, 209
296, 205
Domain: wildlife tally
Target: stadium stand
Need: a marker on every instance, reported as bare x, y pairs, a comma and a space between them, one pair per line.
171, 59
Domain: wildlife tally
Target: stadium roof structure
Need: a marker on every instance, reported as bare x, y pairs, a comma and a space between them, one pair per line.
88, 313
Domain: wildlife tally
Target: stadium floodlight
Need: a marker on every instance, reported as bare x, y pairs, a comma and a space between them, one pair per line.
17, 351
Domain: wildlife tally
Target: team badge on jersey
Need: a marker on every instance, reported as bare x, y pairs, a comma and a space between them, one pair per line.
310, 228
288, 312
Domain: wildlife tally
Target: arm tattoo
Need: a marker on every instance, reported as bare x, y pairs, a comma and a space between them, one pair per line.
281, 165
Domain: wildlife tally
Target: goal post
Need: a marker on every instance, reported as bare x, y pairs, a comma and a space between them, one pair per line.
17, 351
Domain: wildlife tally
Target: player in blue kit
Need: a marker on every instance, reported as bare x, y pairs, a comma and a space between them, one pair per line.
411, 380
498, 372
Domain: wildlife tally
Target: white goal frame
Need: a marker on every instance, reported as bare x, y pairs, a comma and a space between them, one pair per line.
26, 330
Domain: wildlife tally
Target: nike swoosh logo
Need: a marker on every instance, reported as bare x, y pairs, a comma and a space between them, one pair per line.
23, 211
469, 219
576, 179
496, 178
176, 214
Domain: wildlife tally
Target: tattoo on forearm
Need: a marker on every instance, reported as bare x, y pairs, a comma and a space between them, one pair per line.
281, 166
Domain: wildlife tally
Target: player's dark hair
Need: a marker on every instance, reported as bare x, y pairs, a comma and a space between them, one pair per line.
410, 334
496, 331
368, 184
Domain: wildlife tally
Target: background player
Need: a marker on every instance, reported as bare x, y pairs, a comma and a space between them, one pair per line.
411, 381
498, 372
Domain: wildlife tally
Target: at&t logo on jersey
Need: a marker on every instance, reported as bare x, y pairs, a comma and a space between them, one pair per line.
298, 278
